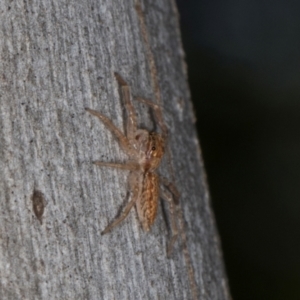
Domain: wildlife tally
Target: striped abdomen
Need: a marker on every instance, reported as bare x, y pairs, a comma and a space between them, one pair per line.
147, 204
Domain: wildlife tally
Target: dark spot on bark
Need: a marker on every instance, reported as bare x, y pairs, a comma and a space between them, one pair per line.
38, 204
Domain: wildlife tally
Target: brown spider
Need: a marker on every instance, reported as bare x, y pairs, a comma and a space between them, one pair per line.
145, 150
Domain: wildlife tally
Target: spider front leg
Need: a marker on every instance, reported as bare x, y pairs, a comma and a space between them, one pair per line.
122, 139
158, 114
131, 124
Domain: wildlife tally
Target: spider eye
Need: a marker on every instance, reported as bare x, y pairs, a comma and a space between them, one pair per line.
153, 148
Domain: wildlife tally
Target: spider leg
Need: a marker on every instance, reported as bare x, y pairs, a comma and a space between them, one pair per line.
157, 112
127, 166
126, 211
123, 140
131, 125
172, 188
174, 229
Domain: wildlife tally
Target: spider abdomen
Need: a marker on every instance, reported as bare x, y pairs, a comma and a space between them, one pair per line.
147, 204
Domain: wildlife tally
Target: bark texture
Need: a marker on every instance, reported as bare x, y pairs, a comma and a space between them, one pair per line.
58, 57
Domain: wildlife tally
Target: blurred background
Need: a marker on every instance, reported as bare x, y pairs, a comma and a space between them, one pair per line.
244, 73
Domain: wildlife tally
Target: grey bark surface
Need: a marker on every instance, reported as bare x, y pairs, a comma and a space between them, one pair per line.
58, 57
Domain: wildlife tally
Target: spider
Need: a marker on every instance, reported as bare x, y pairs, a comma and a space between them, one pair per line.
145, 151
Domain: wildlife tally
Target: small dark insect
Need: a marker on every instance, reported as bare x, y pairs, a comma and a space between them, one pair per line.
38, 204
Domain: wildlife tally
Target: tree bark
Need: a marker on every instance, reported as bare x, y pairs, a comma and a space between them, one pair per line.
58, 57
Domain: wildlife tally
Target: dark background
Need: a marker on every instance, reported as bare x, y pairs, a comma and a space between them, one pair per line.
244, 73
